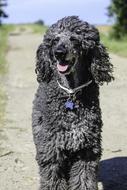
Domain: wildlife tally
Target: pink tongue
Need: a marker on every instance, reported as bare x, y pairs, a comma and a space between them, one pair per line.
62, 68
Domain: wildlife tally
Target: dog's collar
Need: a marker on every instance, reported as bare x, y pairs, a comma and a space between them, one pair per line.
71, 102
75, 90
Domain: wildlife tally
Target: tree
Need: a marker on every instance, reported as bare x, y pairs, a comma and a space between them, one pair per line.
40, 22
118, 10
3, 3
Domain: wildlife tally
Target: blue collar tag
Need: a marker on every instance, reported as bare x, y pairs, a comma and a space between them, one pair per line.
69, 104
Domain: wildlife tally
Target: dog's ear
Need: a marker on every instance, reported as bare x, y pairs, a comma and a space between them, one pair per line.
43, 62
101, 68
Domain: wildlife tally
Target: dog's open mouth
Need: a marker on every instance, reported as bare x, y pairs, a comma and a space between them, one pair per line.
65, 67
62, 68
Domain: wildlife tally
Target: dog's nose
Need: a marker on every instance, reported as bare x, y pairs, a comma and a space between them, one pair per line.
60, 52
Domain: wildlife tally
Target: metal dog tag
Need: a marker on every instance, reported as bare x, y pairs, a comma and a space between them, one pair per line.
69, 104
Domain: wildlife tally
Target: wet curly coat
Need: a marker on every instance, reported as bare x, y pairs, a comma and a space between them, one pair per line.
68, 142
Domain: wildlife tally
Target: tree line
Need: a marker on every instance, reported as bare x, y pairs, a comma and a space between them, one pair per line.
118, 10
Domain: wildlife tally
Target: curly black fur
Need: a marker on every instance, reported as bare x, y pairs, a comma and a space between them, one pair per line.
68, 142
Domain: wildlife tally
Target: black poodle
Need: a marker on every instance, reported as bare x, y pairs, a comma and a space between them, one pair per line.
71, 64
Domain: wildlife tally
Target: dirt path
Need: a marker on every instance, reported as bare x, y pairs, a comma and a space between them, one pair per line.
18, 169
114, 107
114, 136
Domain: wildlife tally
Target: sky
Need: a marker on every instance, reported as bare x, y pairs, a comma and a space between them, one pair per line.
24, 11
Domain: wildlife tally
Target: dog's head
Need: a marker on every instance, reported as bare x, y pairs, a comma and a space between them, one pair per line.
66, 51
69, 44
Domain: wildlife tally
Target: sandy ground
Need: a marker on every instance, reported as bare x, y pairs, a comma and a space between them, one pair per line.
18, 169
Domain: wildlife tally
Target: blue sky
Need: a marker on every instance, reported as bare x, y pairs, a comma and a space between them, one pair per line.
23, 11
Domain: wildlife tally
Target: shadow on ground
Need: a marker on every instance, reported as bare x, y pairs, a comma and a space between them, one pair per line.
113, 173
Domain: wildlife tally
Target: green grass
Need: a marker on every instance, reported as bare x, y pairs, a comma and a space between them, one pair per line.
36, 28
118, 47
4, 32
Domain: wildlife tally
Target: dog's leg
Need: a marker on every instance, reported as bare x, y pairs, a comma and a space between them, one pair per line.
83, 175
51, 178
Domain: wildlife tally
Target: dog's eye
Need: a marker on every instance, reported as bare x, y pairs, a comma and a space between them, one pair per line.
74, 40
55, 41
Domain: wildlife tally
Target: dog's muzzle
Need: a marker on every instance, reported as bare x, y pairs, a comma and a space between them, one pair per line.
60, 52
64, 64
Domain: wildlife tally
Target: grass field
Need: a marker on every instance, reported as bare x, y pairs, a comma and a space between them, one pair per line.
118, 47
4, 32
36, 28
